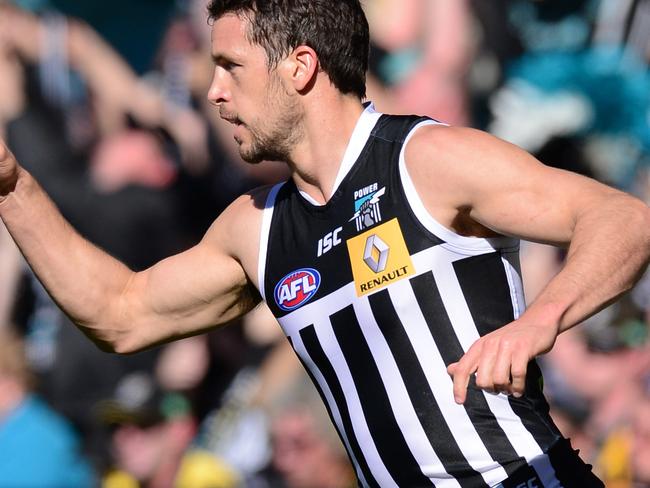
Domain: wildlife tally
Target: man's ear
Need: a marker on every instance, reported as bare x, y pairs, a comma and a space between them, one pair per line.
301, 68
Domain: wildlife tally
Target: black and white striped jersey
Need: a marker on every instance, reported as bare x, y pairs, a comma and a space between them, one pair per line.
377, 299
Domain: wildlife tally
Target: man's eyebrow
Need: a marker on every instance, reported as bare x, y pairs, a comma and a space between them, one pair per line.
221, 59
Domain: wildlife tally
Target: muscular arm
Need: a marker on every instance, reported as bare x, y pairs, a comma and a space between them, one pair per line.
121, 310
10, 271
469, 179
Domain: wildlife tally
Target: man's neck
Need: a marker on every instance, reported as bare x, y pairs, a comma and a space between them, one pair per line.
328, 126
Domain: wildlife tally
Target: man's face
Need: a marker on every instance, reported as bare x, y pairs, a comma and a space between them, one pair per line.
261, 105
300, 455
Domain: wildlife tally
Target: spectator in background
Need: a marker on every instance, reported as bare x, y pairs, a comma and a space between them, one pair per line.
126, 163
420, 34
109, 176
569, 81
38, 448
581, 77
151, 430
232, 444
420, 56
307, 452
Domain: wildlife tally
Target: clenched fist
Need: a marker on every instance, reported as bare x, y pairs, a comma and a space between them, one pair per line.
500, 359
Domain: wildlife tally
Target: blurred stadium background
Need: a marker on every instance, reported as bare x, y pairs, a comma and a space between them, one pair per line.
104, 102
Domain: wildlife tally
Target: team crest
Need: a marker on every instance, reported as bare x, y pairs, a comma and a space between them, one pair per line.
366, 206
296, 288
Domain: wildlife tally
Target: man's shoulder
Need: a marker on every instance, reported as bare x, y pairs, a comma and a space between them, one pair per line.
250, 204
441, 133
239, 225
452, 146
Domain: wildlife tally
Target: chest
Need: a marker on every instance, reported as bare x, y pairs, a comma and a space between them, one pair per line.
362, 240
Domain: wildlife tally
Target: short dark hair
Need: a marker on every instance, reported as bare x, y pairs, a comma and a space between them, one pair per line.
336, 29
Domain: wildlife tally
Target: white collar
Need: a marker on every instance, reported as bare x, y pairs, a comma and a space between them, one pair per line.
360, 135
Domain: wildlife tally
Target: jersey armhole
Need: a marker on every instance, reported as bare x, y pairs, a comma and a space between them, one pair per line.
267, 216
451, 240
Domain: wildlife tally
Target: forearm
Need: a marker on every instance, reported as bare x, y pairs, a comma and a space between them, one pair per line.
10, 267
84, 281
609, 251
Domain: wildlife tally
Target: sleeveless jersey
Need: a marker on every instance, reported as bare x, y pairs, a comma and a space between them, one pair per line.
377, 299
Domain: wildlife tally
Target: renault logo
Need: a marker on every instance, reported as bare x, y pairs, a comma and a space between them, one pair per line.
375, 254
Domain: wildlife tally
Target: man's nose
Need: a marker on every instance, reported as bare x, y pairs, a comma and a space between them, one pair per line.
218, 92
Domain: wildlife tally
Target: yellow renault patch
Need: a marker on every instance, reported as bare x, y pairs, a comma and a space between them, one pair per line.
379, 257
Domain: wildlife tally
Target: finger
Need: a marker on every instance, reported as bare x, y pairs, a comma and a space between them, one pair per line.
451, 369
484, 374
461, 373
502, 368
518, 370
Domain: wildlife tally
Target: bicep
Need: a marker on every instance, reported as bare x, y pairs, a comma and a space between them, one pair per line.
517, 195
187, 294
202, 284
506, 189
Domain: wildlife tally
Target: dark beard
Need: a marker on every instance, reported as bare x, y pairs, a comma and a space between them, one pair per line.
269, 147
276, 145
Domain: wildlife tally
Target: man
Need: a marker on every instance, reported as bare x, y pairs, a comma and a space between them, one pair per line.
384, 257
307, 452
38, 447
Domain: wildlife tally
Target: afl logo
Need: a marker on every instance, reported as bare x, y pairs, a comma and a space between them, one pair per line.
296, 288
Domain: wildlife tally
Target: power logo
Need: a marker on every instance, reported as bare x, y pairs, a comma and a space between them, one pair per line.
296, 288
379, 257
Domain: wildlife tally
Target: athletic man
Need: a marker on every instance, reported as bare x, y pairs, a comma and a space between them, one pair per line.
388, 258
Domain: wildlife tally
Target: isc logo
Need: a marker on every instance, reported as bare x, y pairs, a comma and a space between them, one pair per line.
327, 243
296, 288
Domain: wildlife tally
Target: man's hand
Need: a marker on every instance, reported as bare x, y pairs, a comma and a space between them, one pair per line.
8, 171
500, 359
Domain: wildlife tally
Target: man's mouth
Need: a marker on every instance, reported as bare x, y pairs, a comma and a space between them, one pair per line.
233, 119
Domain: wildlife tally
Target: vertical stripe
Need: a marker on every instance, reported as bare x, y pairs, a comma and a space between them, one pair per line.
485, 286
358, 140
510, 261
333, 411
476, 403
434, 423
320, 360
406, 415
440, 383
267, 217
329, 343
392, 447
454, 303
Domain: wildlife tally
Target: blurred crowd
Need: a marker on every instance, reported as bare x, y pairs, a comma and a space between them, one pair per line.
104, 102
